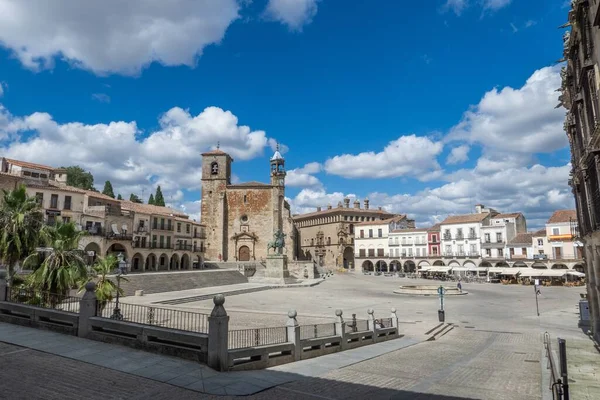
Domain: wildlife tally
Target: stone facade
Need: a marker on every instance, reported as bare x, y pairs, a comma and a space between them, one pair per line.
580, 87
327, 235
242, 218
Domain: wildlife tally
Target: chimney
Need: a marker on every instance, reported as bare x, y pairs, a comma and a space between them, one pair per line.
318, 209
347, 202
339, 204
366, 204
60, 176
379, 208
329, 206
479, 208
356, 203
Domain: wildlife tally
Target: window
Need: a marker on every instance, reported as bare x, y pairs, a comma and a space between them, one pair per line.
153, 240
447, 234
43, 176
472, 233
488, 252
379, 233
434, 238
461, 249
370, 233
410, 253
379, 252
26, 173
169, 227
434, 250
214, 168
352, 228
540, 242
448, 249
473, 250
67, 205
35, 175
487, 237
66, 220
500, 252
162, 241
168, 242
555, 231
459, 233
396, 240
498, 237
179, 227
187, 228
362, 233
371, 252
361, 253
155, 224
524, 251
418, 252
328, 241
512, 251
312, 242
54, 201
40, 198
162, 223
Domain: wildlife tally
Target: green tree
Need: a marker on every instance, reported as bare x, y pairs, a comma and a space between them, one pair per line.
20, 220
106, 288
159, 200
151, 199
78, 177
108, 189
62, 267
134, 198
119, 197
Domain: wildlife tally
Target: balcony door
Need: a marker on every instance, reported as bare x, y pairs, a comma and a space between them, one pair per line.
558, 253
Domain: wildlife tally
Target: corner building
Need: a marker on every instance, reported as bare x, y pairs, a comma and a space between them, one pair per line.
242, 218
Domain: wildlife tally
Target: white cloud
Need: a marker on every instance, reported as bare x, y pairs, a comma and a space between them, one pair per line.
1, 89
412, 156
274, 144
522, 120
529, 23
117, 152
514, 28
301, 177
495, 5
457, 6
458, 154
101, 97
535, 190
113, 36
293, 13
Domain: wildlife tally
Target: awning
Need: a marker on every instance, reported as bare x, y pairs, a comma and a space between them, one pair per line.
576, 273
544, 272
496, 269
459, 269
532, 272
440, 269
425, 269
509, 271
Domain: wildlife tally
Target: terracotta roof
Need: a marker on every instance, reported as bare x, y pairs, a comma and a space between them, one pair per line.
26, 164
215, 152
435, 228
345, 210
150, 209
522, 238
561, 216
462, 219
65, 188
249, 184
410, 230
188, 220
10, 175
382, 221
508, 215
541, 232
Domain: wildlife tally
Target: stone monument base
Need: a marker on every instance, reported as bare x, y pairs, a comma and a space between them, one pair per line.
277, 270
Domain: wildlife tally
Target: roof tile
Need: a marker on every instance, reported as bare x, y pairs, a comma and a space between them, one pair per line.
561, 216
462, 219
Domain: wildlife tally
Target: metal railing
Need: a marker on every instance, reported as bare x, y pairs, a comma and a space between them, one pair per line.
242, 338
559, 385
384, 322
43, 299
317, 331
357, 325
163, 317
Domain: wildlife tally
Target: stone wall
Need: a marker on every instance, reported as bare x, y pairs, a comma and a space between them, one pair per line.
298, 269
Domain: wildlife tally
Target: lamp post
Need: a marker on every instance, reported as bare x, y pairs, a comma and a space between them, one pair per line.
117, 311
441, 312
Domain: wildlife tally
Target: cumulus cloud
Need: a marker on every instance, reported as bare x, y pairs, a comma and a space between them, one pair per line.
522, 120
293, 13
113, 36
117, 151
302, 177
457, 6
411, 155
1, 88
495, 5
101, 97
458, 155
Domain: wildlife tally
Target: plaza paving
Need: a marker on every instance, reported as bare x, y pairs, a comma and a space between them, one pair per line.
494, 352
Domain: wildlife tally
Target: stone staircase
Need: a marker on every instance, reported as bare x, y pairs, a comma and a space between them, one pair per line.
155, 282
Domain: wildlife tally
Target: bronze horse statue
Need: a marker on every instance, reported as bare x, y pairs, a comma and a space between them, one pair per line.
278, 243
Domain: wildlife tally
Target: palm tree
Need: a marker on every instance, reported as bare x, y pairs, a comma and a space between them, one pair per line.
105, 287
20, 220
63, 265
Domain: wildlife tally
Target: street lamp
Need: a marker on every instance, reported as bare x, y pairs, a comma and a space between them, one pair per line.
117, 311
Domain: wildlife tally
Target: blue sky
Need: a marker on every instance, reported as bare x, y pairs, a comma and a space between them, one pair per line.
423, 108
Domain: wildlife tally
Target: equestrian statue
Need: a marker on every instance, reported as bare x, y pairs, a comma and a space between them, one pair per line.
278, 242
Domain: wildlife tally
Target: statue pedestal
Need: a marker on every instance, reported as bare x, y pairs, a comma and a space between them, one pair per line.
277, 269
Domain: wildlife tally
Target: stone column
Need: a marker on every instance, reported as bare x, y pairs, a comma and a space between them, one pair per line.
293, 334
88, 306
218, 335
3, 286
340, 328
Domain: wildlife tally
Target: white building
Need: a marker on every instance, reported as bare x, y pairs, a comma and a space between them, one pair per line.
501, 230
461, 234
408, 243
520, 247
371, 239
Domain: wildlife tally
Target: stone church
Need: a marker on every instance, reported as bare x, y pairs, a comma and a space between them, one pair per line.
241, 218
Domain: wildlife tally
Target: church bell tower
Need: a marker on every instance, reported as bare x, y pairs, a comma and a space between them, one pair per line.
278, 182
278, 169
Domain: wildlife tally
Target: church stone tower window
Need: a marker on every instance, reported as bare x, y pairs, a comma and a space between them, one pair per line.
214, 168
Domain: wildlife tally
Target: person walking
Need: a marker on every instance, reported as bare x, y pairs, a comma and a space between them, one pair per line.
459, 286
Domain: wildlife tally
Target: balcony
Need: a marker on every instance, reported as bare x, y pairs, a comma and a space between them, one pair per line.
140, 245
183, 247
473, 237
447, 237
94, 231
433, 241
158, 227
161, 246
198, 249
141, 230
119, 237
492, 245
393, 243
407, 243
200, 235
460, 237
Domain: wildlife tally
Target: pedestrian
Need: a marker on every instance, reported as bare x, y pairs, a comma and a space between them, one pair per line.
459, 286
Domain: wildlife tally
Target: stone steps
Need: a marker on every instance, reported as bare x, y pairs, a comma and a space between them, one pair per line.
192, 299
175, 281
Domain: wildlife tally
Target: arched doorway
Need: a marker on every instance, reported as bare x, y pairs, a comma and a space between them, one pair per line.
348, 258
485, 264
395, 266
439, 263
367, 266
579, 268
137, 262
244, 253
151, 262
409, 266
163, 262
92, 250
381, 266
559, 266
539, 265
502, 264
185, 261
174, 264
519, 264
116, 249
